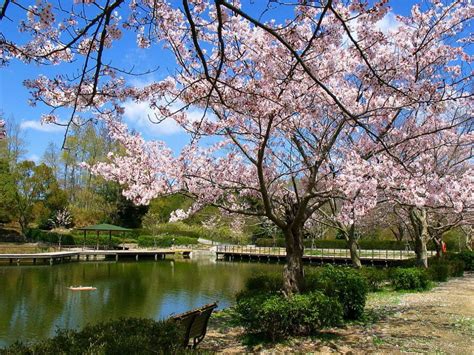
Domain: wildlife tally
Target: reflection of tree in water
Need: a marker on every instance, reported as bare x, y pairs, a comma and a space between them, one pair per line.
35, 300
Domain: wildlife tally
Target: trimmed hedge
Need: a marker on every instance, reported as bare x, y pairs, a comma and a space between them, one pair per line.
409, 279
276, 316
164, 241
38, 235
123, 336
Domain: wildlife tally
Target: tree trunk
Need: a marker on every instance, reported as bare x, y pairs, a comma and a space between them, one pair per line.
293, 274
419, 222
351, 239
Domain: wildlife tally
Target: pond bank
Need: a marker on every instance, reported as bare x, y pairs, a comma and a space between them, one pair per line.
437, 321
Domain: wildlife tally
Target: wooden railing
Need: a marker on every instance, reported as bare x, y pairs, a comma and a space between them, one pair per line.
371, 254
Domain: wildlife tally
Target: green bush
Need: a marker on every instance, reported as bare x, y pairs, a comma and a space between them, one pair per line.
276, 316
164, 241
409, 279
439, 271
457, 268
346, 284
375, 277
268, 282
467, 257
91, 239
123, 336
38, 235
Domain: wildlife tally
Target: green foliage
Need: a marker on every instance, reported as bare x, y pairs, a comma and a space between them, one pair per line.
38, 235
33, 184
268, 282
162, 207
164, 241
7, 192
181, 229
124, 212
467, 257
347, 285
409, 279
90, 208
11, 236
439, 271
276, 316
122, 336
375, 277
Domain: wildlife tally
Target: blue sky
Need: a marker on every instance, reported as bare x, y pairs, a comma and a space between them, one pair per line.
14, 96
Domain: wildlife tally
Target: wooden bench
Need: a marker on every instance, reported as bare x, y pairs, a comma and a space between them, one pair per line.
195, 324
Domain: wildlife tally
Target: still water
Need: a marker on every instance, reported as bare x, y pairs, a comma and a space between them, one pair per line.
35, 300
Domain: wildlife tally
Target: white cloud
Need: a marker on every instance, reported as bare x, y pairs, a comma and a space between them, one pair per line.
33, 157
141, 117
37, 126
388, 23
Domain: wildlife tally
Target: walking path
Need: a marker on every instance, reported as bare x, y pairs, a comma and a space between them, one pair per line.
438, 321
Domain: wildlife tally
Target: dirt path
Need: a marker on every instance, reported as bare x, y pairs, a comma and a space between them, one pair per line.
438, 321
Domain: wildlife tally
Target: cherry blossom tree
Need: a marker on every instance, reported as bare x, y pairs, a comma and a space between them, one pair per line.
299, 110
432, 180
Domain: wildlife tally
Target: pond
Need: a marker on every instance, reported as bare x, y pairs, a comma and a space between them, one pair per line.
35, 300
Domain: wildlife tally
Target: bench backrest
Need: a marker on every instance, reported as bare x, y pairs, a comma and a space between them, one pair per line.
195, 323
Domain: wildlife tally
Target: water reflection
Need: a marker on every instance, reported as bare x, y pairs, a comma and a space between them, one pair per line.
34, 300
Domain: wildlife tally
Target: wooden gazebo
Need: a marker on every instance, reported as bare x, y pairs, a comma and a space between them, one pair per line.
102, 228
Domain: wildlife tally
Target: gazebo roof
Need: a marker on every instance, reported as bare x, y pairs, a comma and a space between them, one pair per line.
104, 227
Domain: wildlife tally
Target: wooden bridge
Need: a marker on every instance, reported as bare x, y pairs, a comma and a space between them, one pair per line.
63, 256
315, 256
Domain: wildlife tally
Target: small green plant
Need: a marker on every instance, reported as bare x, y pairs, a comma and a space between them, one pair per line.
378, 341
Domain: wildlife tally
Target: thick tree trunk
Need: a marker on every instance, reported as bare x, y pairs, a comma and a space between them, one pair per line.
293, 274
419, 222
354, 250
353, 246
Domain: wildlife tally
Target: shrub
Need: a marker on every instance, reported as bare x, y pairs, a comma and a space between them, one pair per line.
467, 257
164, 241
123, 336
275, 317
38, 235
457, 268
375, 278
409, 279
268, 282
439, 271
347, 285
